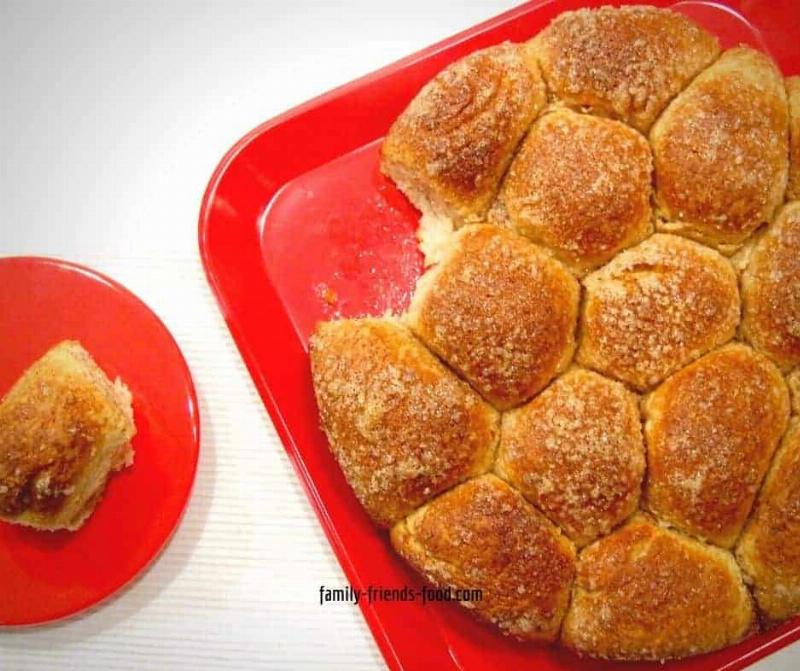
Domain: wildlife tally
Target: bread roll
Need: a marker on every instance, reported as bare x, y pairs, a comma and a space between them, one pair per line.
771, 290
449, 149
484, 536
579, 186
576, 452
500, 311
656, 307
647, 593
625, 63
769, 550
721, 151
64, 427
711, 430
402, 427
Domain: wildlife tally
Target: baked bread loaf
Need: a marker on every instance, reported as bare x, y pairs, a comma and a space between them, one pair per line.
655, 308
625, 63
721, 151
580, 186
590, 266
449, 149
500, 311
643, 592
768, 550
711, 431
575, 451
402, 427
793, 96
771, 290
484, 536
64, 427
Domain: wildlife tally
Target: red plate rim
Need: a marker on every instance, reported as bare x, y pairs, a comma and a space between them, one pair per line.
193, 413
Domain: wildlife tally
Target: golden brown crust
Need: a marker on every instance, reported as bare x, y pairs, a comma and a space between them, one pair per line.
771, 290
500, 311
61, 422
793, 96
576, 452
625, 63
580, 186
449, 149
402, 427
655, 308
647, 593
794, 388
720, 151
715, 140
483, 535
769, 550
711, 430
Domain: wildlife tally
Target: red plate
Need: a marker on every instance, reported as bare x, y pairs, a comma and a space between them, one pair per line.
47, 576
298, 225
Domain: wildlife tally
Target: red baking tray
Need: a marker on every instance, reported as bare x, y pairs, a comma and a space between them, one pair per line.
298, 225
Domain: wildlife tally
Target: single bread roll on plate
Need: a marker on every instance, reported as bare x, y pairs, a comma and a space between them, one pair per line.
711, 431
500, 311
769, 550
655, 308
643, 592
793, 96
625, 63
579, 186
449, 149
771, 290
402, 427
64, 427
484, 536
576, 452
721, 151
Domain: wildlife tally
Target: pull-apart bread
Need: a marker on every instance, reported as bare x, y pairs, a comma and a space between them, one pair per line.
711, 431
626, 63
499, 311
769, 550
576, 452
484, 536
590, 411
580, 186
771, 290
402, 427
721, 151
644, 592
64, 427
449, 149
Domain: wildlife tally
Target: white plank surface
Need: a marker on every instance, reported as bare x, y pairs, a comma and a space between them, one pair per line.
112, 117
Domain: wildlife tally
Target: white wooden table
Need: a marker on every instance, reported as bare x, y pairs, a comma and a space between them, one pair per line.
112, 117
